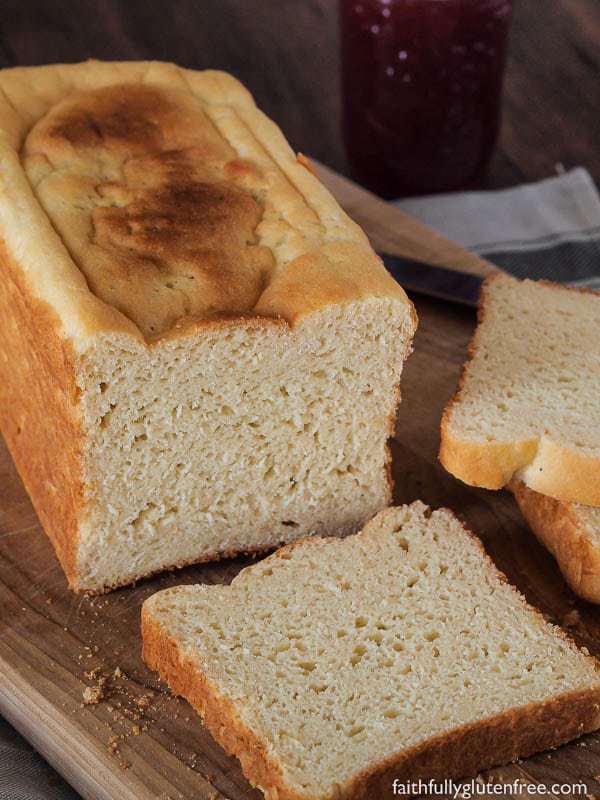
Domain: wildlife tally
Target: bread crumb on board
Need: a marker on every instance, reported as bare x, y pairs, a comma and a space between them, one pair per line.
92, 695
128, 713
113, 749
143, 701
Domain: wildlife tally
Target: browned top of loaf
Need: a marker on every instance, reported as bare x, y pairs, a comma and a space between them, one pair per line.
167, 220
174, 199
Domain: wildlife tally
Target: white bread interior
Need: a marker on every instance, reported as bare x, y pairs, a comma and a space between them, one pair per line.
237, 440
527, 404
333, 666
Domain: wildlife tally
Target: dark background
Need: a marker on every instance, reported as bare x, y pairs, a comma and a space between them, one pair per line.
286, 52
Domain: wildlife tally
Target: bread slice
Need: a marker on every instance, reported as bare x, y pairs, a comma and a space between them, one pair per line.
527, 404
200, 353
571, 532
335, 666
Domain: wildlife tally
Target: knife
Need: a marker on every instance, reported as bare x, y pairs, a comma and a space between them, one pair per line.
439, 282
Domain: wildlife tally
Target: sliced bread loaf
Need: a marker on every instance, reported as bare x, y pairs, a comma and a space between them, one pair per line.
200, 353
336, 666
571, 532
527, 405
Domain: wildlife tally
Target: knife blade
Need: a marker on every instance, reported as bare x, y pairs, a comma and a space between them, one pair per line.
429, 279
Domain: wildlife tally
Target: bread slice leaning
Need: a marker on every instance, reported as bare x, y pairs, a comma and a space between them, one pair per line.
336, 666
571, 532
527, 404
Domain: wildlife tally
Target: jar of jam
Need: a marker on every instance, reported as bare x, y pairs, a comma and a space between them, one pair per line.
421, 83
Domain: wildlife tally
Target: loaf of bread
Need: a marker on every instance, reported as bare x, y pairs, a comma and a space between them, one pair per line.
334, 666
572, 534
200, 353
527, 406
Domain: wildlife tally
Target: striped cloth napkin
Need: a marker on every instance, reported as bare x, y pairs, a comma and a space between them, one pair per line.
24, 775
548, 230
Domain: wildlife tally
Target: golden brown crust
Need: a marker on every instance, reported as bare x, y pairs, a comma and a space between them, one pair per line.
489, 465
544, 465
39, 412
496, 741
564, 474
559, 527
294, 251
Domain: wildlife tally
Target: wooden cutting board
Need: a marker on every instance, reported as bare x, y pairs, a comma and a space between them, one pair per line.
138, 742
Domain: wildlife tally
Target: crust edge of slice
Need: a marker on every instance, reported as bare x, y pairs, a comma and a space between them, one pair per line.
462, 752
502, 739
542, 464
557, 526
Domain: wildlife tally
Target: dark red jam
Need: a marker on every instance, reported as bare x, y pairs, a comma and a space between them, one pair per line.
422, 82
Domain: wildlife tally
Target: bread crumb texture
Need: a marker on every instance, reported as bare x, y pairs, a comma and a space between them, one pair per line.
221, 345
334, 666
527, 405
236, 440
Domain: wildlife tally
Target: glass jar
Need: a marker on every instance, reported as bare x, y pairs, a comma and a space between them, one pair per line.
422, 84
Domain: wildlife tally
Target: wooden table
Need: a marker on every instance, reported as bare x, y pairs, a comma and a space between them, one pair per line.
286, 51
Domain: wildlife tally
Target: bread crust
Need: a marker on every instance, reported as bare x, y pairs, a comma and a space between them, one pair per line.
543, 465
57, 319
330, 262
503, 739
162, 653
559, 528
463, 752
39, 414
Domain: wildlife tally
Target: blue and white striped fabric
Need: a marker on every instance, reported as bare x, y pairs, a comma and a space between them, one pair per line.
549, 229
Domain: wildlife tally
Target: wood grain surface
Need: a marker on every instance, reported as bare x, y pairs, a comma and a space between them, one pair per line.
138, 741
